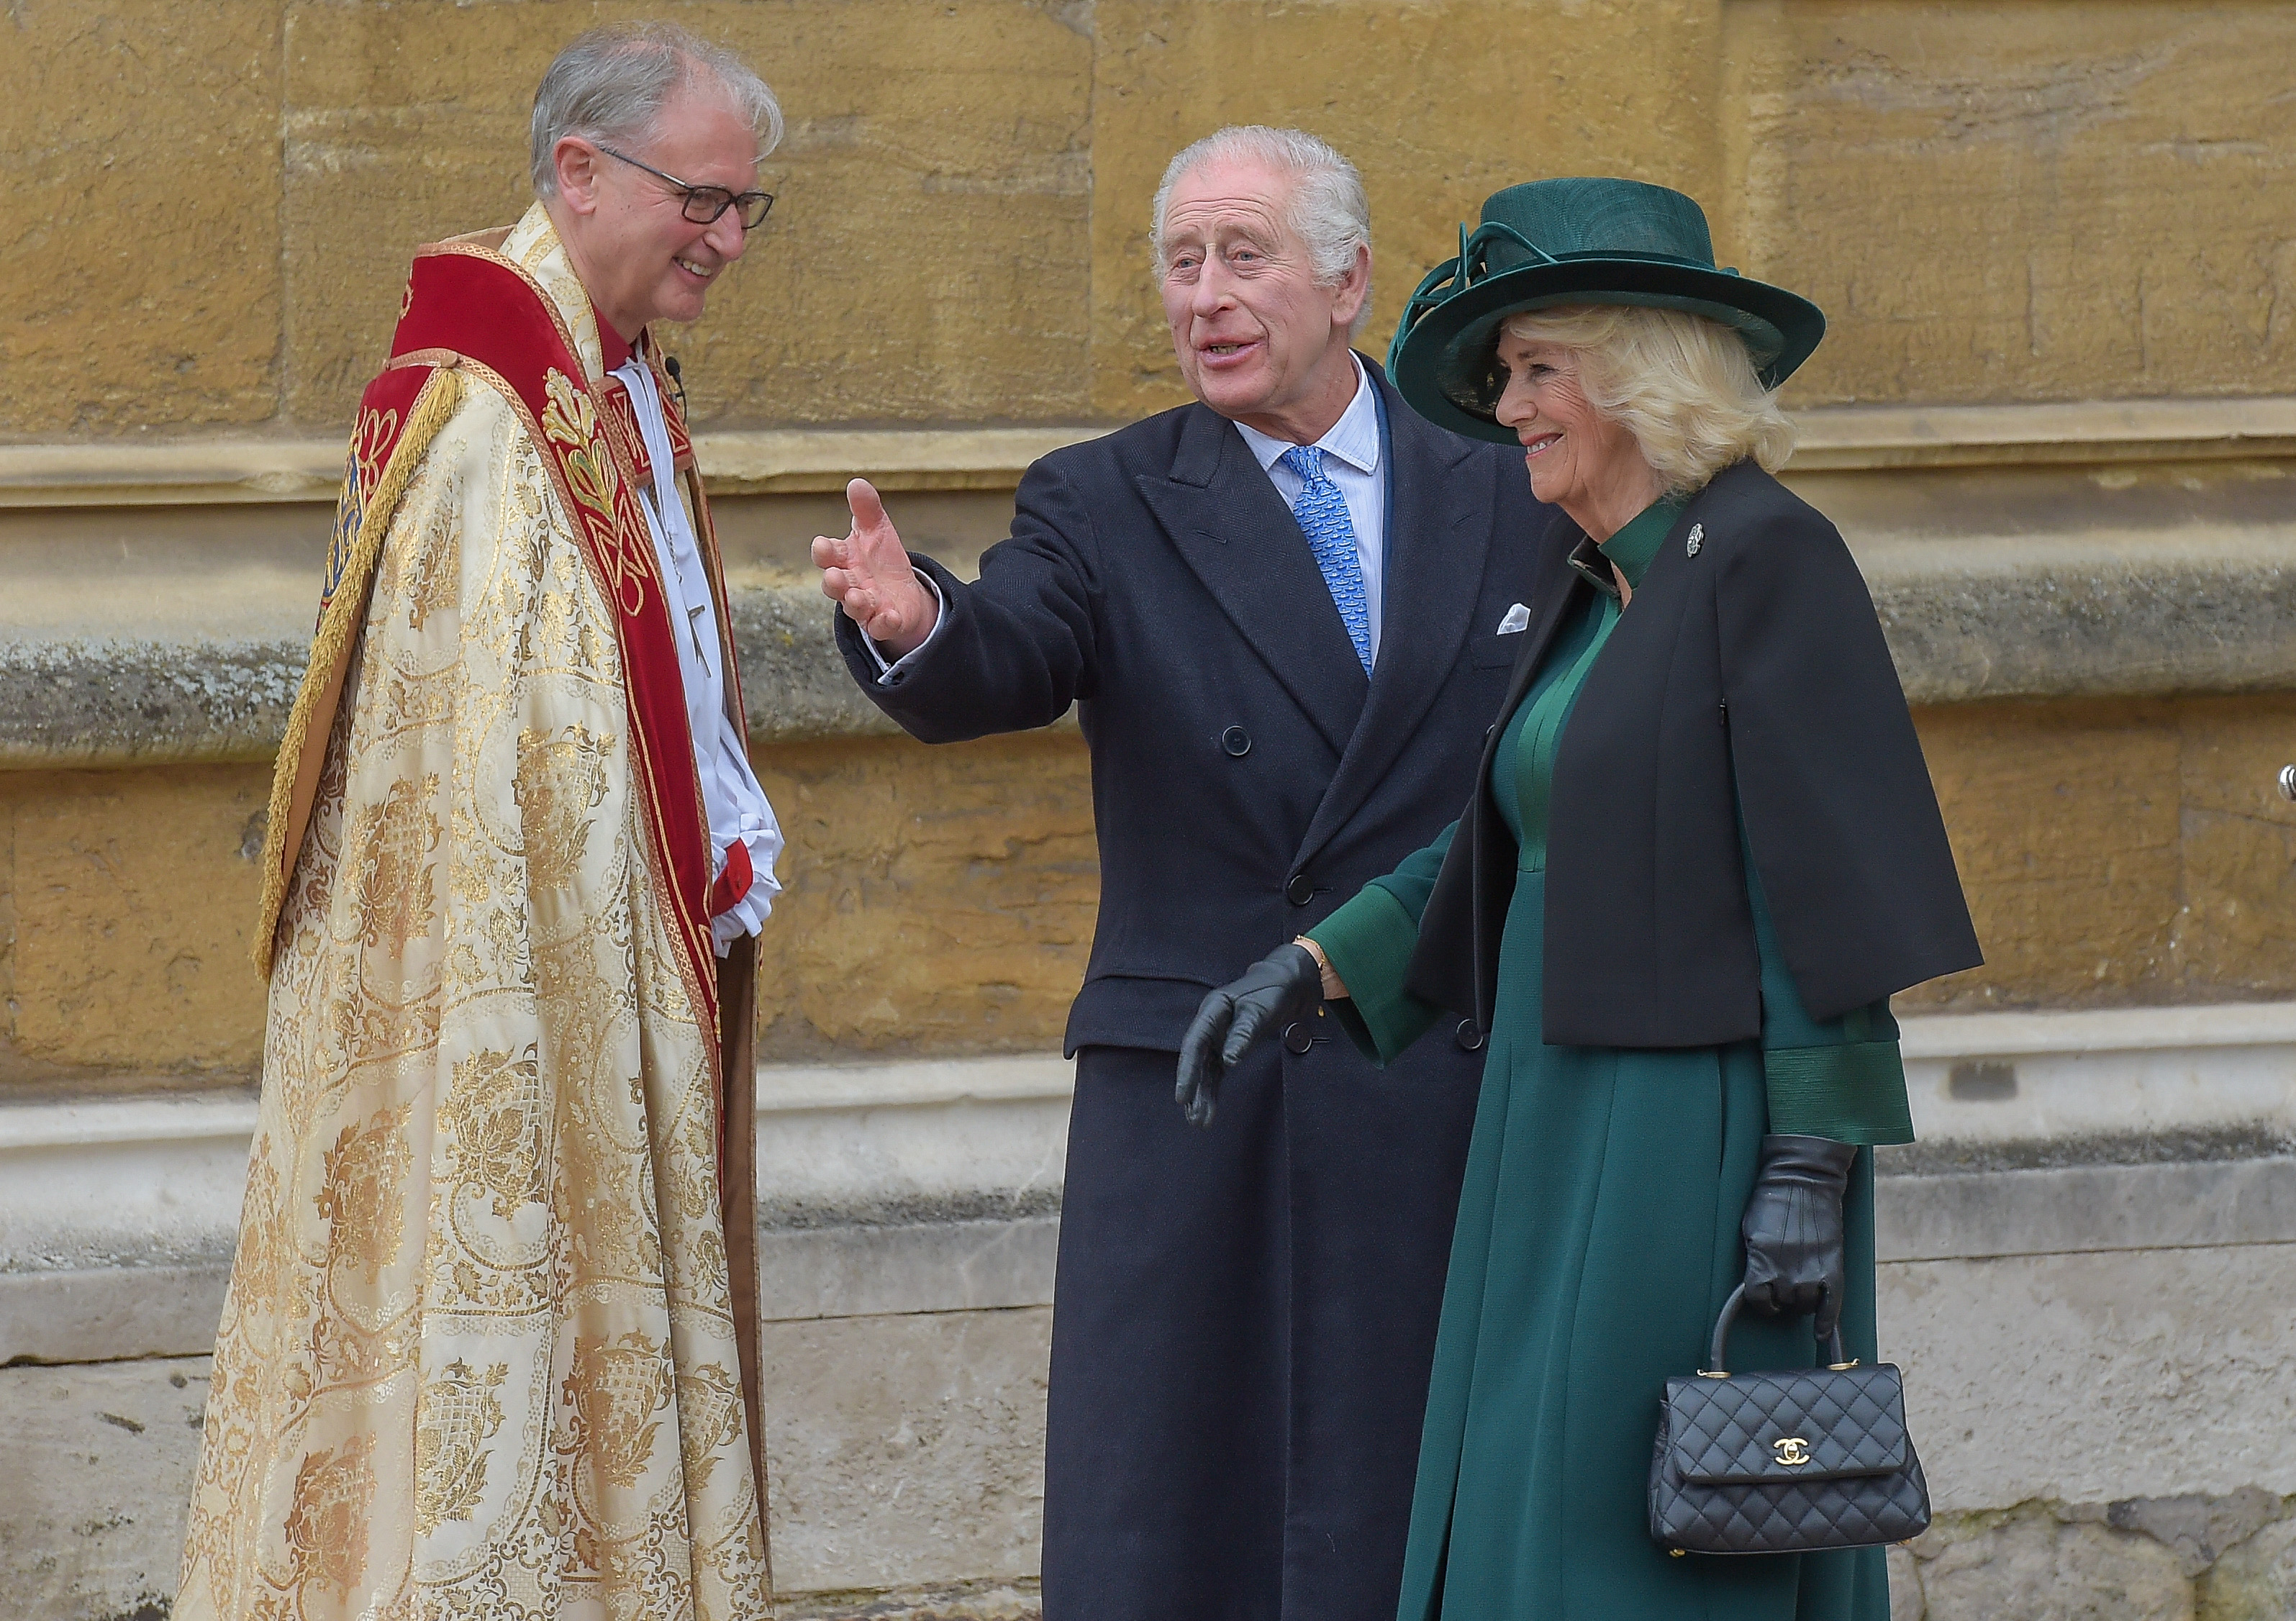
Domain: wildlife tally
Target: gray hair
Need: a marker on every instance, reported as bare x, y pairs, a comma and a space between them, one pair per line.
1329, 209
609, 87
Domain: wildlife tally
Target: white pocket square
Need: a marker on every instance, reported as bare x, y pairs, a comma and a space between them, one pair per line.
1517, 621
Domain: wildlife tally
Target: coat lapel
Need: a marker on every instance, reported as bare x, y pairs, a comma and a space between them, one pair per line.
1225, 519
1438, 533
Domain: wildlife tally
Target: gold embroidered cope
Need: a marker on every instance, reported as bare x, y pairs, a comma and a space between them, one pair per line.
478, 1357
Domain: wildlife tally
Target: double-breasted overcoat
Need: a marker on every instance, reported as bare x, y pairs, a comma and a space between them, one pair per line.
1244, 1316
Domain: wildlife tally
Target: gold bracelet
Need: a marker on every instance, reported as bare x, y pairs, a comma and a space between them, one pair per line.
1334, 987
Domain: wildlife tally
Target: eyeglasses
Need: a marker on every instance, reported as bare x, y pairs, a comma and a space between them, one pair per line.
705, 204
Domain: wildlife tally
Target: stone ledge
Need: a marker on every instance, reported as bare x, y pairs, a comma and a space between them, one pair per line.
2096, 616
75, 702
1987, 1086
205, 472
2085, 1209
1966, 620
199, 471
2084, 432
884, 1272
933, 1186
1020, 1601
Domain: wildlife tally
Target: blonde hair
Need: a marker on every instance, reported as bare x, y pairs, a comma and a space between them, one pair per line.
1685, 386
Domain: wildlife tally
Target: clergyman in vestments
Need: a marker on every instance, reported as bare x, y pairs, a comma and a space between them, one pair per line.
490, 1347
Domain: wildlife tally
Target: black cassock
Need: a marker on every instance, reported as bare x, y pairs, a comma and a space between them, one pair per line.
1244, 1316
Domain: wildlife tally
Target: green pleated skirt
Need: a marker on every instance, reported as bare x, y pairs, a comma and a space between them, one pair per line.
1597, 1240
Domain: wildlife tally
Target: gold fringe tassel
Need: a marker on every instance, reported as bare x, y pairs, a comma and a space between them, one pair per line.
339, 628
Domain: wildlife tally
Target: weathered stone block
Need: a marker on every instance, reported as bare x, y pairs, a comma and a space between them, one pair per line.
906, 859
918, 133
95, 1473
2065, 821
2232, 937
1440, 104
906, 1450
141, 252
2028, 1565
131, 894
2073, 1377
2118, 852
2255, 1581
1905, 1587
2194, 1528
1972, 194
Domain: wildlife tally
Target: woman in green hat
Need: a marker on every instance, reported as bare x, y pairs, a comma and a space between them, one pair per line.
1702, 854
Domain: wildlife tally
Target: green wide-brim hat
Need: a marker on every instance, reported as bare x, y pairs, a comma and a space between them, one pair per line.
1577, 241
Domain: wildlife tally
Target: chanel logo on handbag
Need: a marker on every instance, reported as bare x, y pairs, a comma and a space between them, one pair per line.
1840, 1471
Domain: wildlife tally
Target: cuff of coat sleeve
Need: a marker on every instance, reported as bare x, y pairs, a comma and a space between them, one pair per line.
1369, 941
892, 672
1855, 1092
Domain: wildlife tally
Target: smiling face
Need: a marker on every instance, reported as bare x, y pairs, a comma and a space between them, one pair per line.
639, 258
1581, 461
1258, 339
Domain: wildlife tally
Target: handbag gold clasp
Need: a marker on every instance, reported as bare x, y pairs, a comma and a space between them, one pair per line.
1793, 1451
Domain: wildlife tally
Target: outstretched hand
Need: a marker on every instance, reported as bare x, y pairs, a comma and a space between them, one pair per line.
868, 574
1283, 986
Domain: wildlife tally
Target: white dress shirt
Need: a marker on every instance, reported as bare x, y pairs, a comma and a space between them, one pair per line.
1352, 459
736, 805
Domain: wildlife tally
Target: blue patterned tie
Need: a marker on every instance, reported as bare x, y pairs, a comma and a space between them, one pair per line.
1322, 514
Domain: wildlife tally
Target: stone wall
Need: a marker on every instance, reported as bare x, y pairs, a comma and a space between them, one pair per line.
1974, 194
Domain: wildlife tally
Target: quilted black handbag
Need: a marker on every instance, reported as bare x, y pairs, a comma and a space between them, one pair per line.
1784, 1462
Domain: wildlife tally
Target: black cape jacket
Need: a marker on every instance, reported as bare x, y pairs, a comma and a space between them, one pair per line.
1748, 680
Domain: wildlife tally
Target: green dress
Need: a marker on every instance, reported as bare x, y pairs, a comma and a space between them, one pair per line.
1597, 1238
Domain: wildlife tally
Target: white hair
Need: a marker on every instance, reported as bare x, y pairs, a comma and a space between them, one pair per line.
1684, 385
1328, 207
609, 87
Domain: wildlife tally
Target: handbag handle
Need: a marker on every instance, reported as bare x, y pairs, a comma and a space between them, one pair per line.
1718, 1352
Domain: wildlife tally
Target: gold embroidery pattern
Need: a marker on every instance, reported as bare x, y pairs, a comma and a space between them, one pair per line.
327, 1527
569, 421
561, 781
709, 1417
493, 1120
362, 1203
488, 1117
392, 879
431, 571
615, 1391
460, 1415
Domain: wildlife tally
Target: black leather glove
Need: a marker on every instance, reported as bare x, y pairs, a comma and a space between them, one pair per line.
1792, 1230
1283, 986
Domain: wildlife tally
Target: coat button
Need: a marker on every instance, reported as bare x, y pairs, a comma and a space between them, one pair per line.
1470, 1037
1237, 741
1296, 1038
1300, 891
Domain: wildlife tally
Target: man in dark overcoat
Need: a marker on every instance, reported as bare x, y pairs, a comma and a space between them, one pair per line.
1285, 614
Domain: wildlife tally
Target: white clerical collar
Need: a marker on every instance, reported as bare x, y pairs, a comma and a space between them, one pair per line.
1354, 438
